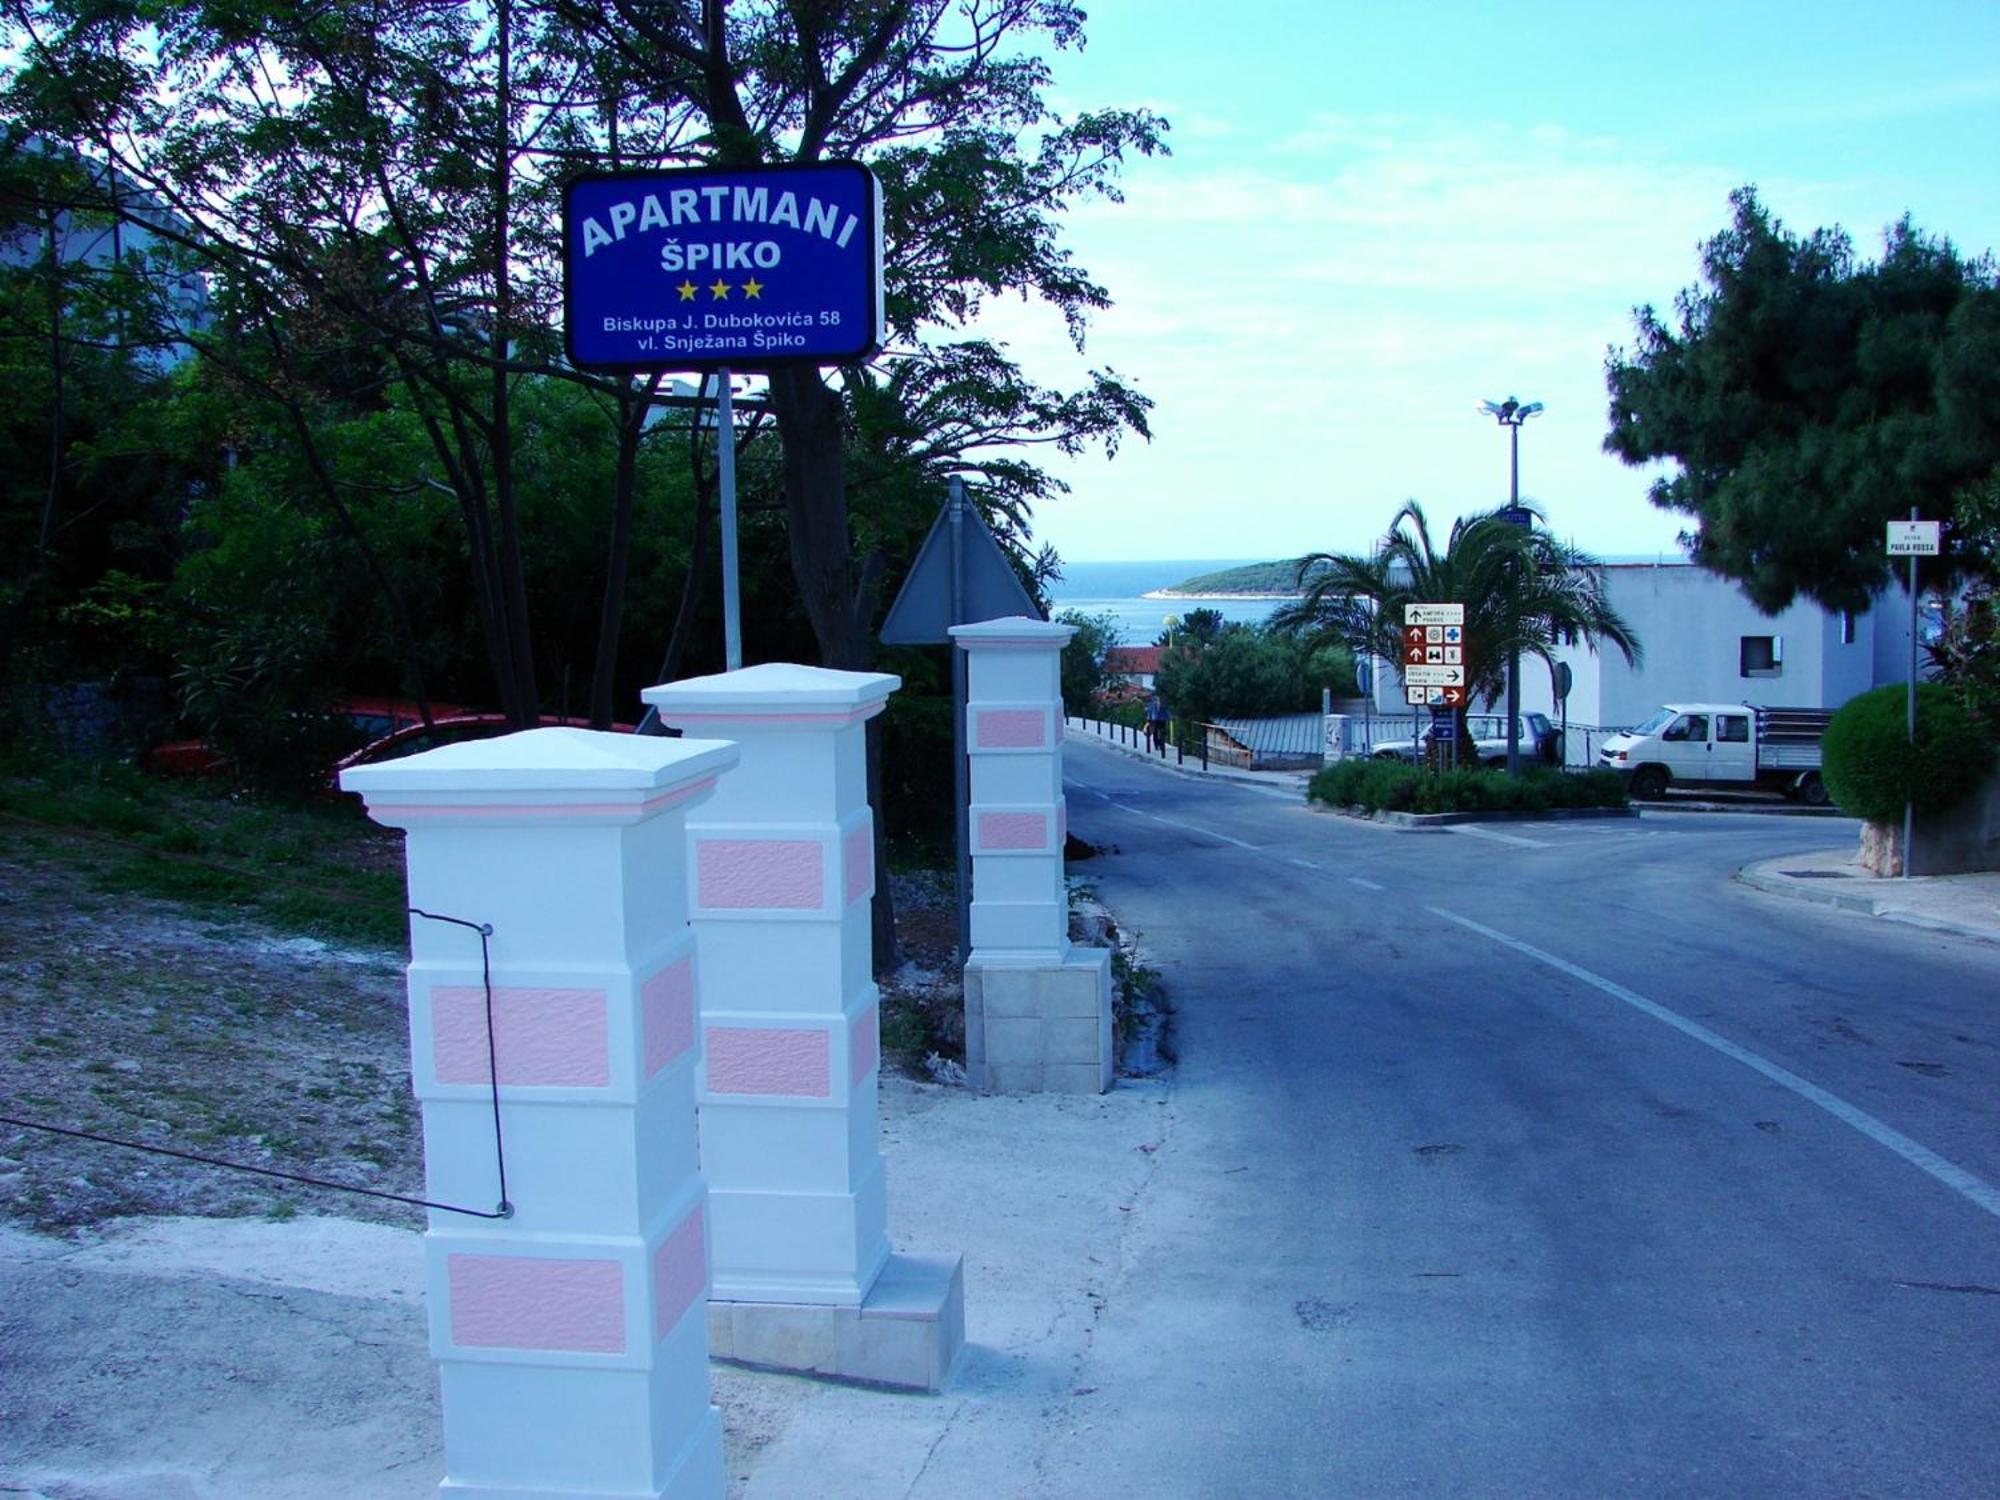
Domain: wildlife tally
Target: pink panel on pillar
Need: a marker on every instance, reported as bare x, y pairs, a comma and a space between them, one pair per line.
547, 1037
858, 857
523, 1302
753, 1060
864, 1045
768, 874
666, 1015
1012, 729
680, 1273
1013, 830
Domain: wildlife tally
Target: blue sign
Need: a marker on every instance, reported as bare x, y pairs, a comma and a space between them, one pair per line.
746, 268
1444, 727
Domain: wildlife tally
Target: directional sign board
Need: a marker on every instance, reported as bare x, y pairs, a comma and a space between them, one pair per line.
745, 268
1435, 697
1434, 614
1913, 538
1439, 676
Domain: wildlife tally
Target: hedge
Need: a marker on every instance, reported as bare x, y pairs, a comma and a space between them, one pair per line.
1398, 786
1871, 769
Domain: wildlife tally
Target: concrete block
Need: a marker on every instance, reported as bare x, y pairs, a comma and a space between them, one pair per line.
1076, 1078
1013, 1041
1009, 993
1014, 1077
908, 1335
1074, 1040
1081, 987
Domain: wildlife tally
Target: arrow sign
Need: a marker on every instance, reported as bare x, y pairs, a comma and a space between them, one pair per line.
1434, 614
1435, 676
1451, 697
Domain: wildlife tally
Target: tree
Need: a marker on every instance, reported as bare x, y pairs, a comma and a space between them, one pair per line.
1523, 590
1239, 671
976, 171
1805, 398
1083, 658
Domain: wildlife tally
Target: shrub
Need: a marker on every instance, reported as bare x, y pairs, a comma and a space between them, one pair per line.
1871, 768
1397, 786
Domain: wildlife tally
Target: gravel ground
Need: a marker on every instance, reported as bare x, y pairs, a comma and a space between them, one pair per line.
131, 1018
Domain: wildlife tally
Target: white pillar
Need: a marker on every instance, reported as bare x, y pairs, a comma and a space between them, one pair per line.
781, 865
1038, 1012
570, 1338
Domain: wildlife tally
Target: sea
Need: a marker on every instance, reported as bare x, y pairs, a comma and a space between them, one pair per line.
1119, 589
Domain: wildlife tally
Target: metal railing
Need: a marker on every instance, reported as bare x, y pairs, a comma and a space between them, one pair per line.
1183, 742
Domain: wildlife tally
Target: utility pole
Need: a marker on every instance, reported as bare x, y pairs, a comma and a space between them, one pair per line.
1510, 414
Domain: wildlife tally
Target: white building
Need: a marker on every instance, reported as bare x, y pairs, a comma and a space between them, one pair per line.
1704, 641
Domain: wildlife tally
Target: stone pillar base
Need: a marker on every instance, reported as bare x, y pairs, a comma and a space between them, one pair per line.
697, 1475
906, 1335
1040, 1027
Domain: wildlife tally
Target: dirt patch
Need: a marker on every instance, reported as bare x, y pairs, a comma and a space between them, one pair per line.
131, 1018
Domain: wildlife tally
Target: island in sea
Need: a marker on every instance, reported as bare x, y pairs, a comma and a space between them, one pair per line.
1264, 580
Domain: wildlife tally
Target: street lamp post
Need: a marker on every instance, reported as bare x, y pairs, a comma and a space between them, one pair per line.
1510, 414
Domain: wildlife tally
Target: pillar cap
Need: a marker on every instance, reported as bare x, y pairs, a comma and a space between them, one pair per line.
585, 773
776, 693
1016, 631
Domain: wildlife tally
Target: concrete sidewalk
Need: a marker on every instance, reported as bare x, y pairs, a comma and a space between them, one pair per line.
1965, 904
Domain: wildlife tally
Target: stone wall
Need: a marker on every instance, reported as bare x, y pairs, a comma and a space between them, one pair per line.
1950, 843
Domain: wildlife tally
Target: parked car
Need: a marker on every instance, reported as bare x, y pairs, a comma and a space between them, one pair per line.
411, 738
1540, 741
369, 719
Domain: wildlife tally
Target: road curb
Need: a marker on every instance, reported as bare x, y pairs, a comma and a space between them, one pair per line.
1761, 877
1422, 822
1761, 810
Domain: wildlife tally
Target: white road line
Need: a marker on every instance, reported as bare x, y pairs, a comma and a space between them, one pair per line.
1975, 1189
1366, 885
1474, 831
1208, 833
1303, 864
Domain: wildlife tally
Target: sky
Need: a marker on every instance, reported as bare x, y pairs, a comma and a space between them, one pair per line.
1377, 216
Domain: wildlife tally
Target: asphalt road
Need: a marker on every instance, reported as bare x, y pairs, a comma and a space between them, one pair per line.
1540, 1159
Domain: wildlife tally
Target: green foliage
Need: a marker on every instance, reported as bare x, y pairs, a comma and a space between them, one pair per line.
1804, 398
1871, 769
308, 867
1083, 673
1397, 786
919, 792
1281, 577
1523, 590
1248, 672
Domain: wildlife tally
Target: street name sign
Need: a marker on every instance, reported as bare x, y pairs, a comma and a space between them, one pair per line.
747, 268
1434, 614
1913, 538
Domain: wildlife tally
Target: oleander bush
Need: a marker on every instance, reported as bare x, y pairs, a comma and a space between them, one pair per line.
1397, 786
1871, 768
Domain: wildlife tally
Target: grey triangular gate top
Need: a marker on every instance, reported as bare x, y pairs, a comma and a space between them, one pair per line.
923, 614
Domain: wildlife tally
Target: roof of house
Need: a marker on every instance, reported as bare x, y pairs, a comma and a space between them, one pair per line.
1132, 660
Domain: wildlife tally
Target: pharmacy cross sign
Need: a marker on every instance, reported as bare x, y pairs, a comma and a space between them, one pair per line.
747, 268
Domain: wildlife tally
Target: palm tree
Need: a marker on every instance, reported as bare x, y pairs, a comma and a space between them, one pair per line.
1521, 587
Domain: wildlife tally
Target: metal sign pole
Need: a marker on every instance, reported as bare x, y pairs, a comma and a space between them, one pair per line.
1909, 808
725, 451
960, 777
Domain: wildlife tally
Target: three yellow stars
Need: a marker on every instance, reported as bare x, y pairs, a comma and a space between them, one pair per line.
718, 290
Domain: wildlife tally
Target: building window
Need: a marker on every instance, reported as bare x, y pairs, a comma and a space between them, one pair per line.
1847, 627
1763, 655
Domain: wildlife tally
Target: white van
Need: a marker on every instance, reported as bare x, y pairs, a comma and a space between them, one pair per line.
1730, 745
